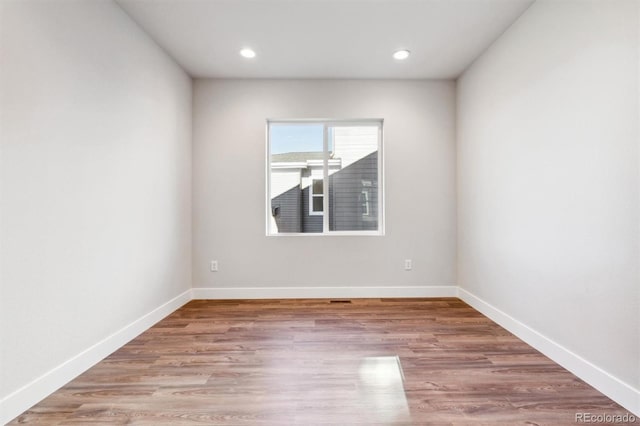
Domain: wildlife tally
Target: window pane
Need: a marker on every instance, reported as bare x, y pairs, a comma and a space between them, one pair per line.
353, 186
318, 204
296, 154
317, 186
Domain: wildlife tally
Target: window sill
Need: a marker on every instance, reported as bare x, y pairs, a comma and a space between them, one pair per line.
330, 234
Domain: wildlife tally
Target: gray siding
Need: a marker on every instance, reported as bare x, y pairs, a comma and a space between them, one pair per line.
347, 201
286, 209
291, 212
309, 223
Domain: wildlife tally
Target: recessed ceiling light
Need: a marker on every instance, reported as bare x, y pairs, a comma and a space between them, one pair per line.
247, 53
401, 54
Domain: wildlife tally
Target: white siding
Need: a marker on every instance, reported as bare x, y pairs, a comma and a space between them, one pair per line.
354, 143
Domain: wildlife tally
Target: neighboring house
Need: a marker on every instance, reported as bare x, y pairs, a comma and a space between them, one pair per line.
297, 186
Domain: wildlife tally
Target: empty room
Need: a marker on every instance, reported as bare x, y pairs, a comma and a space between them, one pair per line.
297, 212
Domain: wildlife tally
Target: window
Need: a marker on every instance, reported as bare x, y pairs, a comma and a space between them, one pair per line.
365, 204
324, 177
317, 197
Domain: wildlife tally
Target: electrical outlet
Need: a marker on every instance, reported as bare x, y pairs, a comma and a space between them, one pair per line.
408, 265
214, 266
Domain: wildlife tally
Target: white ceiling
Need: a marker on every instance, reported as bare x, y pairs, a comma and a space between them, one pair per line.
325, 38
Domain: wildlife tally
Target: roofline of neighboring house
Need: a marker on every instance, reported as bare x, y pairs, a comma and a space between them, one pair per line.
305, 164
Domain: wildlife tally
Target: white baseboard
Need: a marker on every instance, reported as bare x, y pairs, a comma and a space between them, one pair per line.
24, 398
323, 292
621, 392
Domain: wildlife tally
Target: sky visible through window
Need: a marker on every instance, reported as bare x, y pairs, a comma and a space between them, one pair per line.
295, 138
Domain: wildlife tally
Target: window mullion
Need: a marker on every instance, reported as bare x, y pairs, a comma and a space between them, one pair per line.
381, 205
325, 179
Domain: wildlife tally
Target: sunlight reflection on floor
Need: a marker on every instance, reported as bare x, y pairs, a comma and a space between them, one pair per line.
381, 388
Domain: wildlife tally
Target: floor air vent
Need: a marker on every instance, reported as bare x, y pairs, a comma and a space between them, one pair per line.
340, 301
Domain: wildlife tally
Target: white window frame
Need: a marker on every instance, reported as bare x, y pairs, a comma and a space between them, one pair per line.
327, 123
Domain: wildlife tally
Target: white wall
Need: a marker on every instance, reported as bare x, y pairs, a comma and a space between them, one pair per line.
229, 185
548, 179
95, 180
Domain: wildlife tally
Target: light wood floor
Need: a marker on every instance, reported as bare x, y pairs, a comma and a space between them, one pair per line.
304, 362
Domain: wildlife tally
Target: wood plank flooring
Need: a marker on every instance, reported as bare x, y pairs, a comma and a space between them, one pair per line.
306, 362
